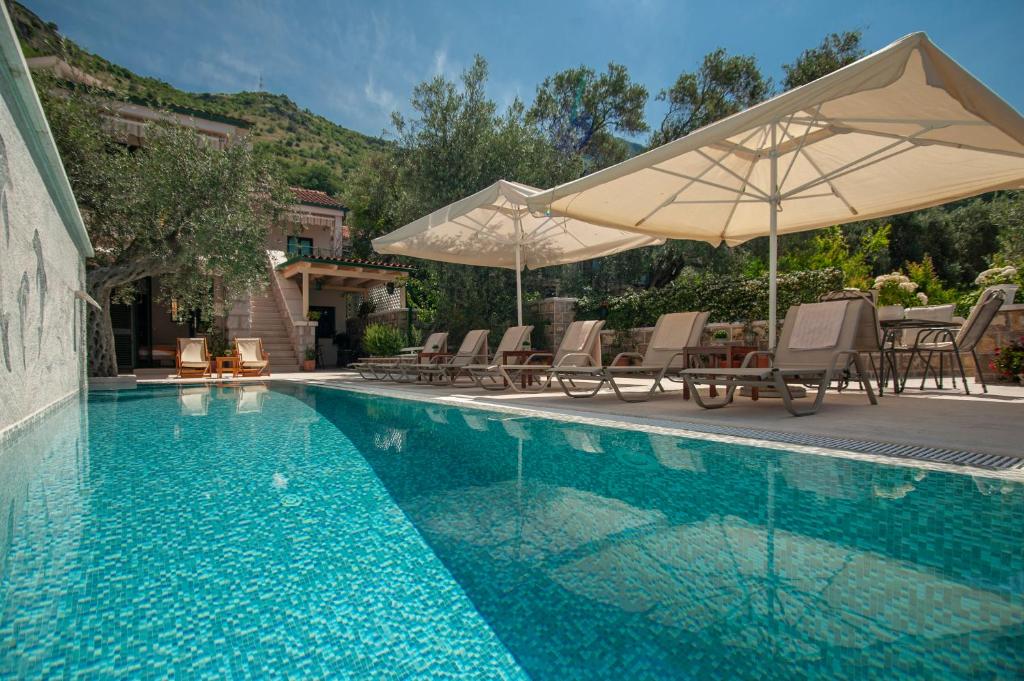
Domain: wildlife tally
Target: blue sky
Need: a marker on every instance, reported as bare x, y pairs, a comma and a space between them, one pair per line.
355, 62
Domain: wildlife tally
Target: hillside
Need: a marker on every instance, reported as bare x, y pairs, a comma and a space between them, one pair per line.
294, 137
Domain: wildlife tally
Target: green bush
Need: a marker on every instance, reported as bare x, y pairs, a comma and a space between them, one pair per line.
381, 340
727, 298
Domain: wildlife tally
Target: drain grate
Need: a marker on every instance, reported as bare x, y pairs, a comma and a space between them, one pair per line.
937, 455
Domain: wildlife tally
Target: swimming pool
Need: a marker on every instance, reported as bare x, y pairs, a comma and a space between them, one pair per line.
307, 532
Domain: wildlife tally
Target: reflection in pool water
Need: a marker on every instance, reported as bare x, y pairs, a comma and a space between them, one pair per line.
309, 532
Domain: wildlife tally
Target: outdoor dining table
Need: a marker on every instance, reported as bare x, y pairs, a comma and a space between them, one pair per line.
891, 330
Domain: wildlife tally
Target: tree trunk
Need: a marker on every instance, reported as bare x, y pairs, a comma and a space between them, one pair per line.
102, 355
101, 282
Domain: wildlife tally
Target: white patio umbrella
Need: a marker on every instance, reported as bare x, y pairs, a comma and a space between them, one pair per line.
901, 129
494, 228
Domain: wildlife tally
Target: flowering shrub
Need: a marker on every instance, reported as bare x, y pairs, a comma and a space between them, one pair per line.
1009, 361
993, 276
996, 276
897, 289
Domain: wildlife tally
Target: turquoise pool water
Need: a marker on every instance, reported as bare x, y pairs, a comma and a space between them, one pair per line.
304, 532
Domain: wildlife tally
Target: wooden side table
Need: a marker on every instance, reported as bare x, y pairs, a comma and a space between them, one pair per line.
225, 364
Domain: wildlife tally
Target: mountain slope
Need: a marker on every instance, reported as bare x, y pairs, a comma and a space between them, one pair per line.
294, 137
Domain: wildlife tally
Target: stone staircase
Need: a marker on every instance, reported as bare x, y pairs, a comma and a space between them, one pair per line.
268, 325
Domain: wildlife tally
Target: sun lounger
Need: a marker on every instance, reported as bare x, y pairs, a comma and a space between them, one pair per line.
665, 352
486, 375
252, 359
447, 369
580, 346
379, 368
817, 341
192, 358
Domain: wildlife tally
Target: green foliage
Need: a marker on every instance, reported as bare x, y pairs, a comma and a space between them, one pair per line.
829, 248
293, 139
727, 298
314, 176
1008, 214
928, 282
1009, 361
579, 110
454, 143
309, 353
381, 340
216, 342
836, 51
176, 208
721, 86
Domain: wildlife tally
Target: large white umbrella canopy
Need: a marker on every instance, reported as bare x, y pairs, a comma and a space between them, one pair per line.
901, 129
494, 228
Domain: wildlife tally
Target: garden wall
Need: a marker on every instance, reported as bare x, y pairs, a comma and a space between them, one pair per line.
43, 244
1007, 326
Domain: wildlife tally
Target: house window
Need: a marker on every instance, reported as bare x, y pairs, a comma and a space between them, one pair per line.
300, 245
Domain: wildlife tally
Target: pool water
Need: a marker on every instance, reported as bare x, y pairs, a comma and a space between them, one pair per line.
306, 532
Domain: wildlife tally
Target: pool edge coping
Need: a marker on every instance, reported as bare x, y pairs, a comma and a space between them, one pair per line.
752, 437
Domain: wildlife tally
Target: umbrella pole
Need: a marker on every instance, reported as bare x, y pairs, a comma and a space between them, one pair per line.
519, 272
773, 242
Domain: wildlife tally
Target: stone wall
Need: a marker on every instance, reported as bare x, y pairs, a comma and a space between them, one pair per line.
554, 315
1007, 326
42, 249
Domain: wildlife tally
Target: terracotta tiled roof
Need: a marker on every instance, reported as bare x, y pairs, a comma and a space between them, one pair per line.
316, 198
345, 260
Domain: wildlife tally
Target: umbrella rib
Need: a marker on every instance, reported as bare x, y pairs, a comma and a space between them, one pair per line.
742, 179
699, 179
692, 180
803, 139
859, 164
479, 230
736, 202
835, 190
937, 122
929, 142
807, 155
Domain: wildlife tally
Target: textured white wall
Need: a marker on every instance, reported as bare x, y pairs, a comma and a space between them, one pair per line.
42, 353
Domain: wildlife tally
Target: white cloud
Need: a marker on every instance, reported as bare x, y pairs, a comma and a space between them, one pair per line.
440, 61
383, 98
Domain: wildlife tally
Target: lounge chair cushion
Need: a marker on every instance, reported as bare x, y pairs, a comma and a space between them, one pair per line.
192, 351
818, 325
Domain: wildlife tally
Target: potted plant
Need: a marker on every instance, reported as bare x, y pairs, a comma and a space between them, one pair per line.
720, 336
309, 363
1009, 361
314, 315
1005, 278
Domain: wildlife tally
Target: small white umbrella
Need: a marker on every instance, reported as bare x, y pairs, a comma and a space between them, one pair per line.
494, 228
901, 129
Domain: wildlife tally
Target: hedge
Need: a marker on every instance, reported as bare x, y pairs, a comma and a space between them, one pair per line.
727, 298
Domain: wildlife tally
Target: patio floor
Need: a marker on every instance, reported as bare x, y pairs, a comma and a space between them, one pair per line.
942, 420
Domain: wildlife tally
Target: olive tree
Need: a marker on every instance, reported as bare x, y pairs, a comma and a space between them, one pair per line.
176, 208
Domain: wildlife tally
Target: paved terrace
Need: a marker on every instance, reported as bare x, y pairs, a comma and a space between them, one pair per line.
905, 425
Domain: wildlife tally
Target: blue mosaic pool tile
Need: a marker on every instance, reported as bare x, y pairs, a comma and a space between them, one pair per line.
220, 545
311, 533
